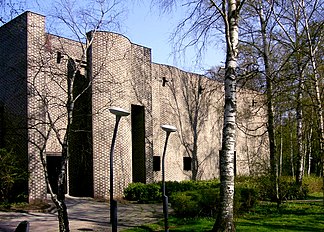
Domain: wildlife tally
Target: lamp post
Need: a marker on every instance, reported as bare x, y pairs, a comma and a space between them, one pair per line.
168, 129
119, 112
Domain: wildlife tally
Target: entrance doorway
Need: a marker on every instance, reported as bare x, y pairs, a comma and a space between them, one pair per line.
138, 144
53, 162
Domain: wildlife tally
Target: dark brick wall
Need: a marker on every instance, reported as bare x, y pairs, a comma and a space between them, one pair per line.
13, 87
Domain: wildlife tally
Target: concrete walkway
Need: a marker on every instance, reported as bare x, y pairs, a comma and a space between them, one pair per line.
85, 214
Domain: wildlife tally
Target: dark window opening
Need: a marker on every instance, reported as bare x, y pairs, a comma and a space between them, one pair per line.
59, 57
186, 163
156, 163
164, 81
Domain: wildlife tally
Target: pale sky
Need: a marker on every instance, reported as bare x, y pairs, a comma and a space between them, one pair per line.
146, 26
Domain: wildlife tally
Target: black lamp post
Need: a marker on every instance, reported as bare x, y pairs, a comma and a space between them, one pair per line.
119, 112
168, 129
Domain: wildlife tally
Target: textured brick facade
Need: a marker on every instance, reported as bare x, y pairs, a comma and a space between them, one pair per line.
123, 75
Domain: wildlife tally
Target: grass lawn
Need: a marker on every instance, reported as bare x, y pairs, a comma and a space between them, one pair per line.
301, 216
291, 216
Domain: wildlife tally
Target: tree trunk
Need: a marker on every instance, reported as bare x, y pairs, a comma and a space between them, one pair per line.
225, 217
269, 97
60, 200
281, 147
292, 155
309, 141
194, 125
62, 215
316, 84
299, 118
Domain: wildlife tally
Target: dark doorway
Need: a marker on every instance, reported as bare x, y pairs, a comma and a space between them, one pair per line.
80, 137
53, 169
138, 144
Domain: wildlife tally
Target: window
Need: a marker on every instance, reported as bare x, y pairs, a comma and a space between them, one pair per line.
186, 163
156, 163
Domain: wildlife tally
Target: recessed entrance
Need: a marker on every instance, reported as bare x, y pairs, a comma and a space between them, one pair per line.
138, 144
53, 162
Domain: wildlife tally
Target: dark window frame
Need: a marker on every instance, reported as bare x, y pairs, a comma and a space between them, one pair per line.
187, 163
156, 163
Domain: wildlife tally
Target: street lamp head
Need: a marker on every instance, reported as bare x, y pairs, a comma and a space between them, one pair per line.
169, 128
118, 111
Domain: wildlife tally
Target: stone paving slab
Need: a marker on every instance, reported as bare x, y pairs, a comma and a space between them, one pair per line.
85, 214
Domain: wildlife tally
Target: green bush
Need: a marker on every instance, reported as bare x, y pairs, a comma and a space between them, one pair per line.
245, 198
246, 193
205, 202
288, 189
314, 183
193, 203
11, 177
185, 204
188, 185
143, 193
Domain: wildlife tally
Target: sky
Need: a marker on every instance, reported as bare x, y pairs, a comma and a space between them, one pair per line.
147, 26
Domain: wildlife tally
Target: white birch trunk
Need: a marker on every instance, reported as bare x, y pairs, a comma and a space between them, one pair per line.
299, 117
225, 218
312, 49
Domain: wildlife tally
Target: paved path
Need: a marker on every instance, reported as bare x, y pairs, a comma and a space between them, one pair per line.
85, 214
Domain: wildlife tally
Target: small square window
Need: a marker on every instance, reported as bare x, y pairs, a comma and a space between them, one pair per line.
186, 163
156, 163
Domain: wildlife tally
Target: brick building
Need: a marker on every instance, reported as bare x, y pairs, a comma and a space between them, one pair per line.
35, 66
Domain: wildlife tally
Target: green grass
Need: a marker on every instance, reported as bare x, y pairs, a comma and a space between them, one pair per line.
178, 224
315, 196
299, 216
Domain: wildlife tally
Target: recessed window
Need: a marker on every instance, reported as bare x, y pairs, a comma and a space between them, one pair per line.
59, 57
156, 163
164, 81
186, 163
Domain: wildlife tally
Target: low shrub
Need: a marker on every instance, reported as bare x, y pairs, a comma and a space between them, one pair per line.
188, 185
288, 189
143, 193
314, 183
245, 199
292, 191
206, 202
194, 203
12, 178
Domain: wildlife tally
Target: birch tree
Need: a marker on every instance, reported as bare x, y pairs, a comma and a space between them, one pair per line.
230, 12
314, 40
205, 19
294, 19
257, 31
